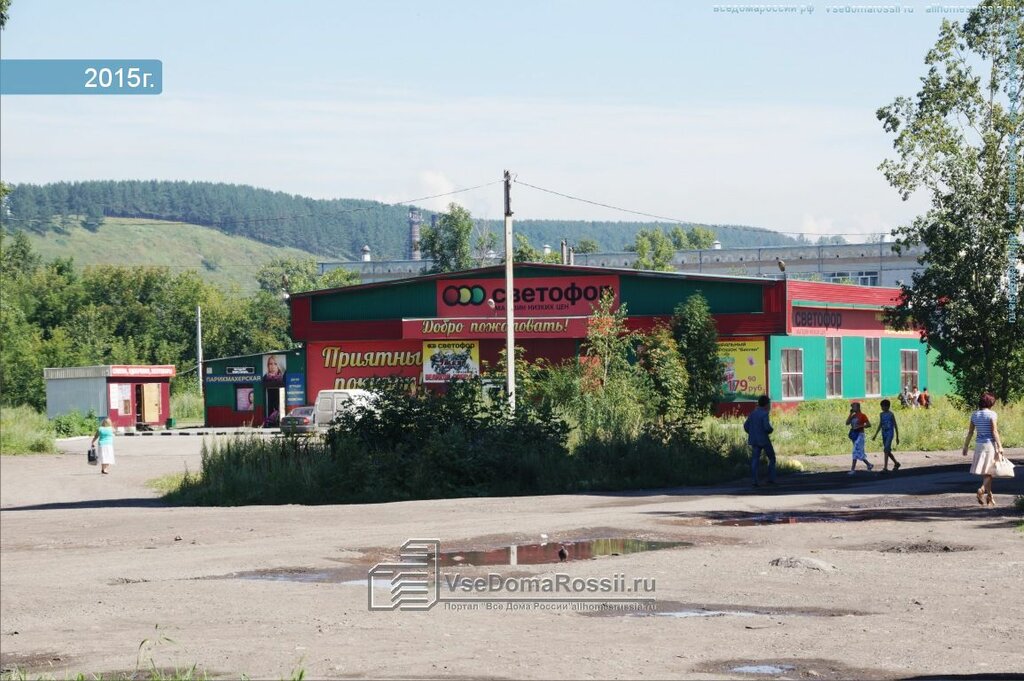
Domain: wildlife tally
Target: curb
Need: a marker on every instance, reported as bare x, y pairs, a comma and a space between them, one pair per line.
166, 433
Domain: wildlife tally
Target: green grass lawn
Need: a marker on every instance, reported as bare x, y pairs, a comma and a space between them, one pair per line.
218, 257
819, 428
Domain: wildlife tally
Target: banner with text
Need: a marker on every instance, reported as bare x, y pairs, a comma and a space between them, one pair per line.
494, 327
743, 370
541, 296
348, 364
447, 360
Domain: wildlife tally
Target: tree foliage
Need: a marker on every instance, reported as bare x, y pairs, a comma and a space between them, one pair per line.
586, 245
697, 337
952, 141
52, 315
653, 249
449, 244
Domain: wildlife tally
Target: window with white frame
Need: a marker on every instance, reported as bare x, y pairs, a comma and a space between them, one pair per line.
833, 366
872, 367
792, 373
908, 368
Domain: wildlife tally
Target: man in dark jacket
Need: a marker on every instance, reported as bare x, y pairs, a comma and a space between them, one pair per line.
758, 429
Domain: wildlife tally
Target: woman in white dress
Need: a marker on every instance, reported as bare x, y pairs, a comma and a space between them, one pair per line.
988, 448
105, 435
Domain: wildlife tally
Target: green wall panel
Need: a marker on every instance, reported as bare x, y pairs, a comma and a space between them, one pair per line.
659, 296
814, 365
853, 366
414, 299
891, 348
939, 382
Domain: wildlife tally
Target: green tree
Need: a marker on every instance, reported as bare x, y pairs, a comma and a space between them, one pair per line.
697, 337
291, 275
664, 364
952, 141
694, 239
5, 6
525, 252
449, 244
653, 249
587, 246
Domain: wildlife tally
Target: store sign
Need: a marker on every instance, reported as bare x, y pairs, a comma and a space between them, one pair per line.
542, 296
444, 361
350, 364
240, 370
142, 371
813, 321
232, 379
494, 327
743, 370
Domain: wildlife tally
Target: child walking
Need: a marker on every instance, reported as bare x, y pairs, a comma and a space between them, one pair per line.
858, 423
887, 426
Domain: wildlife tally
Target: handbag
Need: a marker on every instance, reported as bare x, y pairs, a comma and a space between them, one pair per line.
93, 459
1003, 468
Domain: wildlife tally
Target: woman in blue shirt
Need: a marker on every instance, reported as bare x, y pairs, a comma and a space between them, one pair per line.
105, 435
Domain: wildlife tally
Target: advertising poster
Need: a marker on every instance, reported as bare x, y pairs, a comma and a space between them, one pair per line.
245, 399
333, 365
295, 390
447, 360
274, 368
744, 376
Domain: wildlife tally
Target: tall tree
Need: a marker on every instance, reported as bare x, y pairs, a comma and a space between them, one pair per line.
587, 246
952, 141
653, 249
697, 337
449, 244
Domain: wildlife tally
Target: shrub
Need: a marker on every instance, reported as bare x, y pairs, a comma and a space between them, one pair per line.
73, 423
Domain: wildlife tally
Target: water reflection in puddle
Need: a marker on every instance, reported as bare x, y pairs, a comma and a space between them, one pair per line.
765, 669
555, 552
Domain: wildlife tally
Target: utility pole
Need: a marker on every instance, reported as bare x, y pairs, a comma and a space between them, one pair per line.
510, 334
199, 347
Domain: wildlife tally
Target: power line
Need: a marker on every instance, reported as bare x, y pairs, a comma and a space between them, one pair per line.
759, 230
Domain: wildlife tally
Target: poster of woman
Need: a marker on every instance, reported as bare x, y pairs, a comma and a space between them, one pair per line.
274, 367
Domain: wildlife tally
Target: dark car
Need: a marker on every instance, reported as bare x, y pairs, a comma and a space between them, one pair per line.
301, 421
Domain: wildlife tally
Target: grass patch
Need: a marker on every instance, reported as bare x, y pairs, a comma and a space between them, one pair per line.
167, 483
187, 405
818, 428
23, 430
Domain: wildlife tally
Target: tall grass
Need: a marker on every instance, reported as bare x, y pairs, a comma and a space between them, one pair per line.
23, 430
819, 428
187, 405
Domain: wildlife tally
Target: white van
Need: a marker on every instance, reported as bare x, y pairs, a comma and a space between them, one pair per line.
330, 403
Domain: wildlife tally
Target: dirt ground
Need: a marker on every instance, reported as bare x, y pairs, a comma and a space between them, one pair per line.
881, 577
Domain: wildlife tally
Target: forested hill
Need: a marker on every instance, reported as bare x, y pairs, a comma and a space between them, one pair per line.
336, 228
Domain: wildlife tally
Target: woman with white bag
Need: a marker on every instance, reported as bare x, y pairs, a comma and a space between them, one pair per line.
988, 449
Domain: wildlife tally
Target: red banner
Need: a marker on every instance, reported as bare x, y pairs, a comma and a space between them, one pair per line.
142, 371
348, 364
541, 296
816, 321
475, 328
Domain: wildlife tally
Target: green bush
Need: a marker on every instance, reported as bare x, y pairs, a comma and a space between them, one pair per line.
23, 430
73, 423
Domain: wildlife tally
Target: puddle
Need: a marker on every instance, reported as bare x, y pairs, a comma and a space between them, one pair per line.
689, 610
747, 520
765, 669
818, 669
555, 552
515, 554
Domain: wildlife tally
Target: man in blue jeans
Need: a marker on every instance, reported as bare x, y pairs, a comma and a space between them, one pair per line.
758, 429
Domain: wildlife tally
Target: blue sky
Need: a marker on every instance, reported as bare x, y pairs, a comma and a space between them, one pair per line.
667, 107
